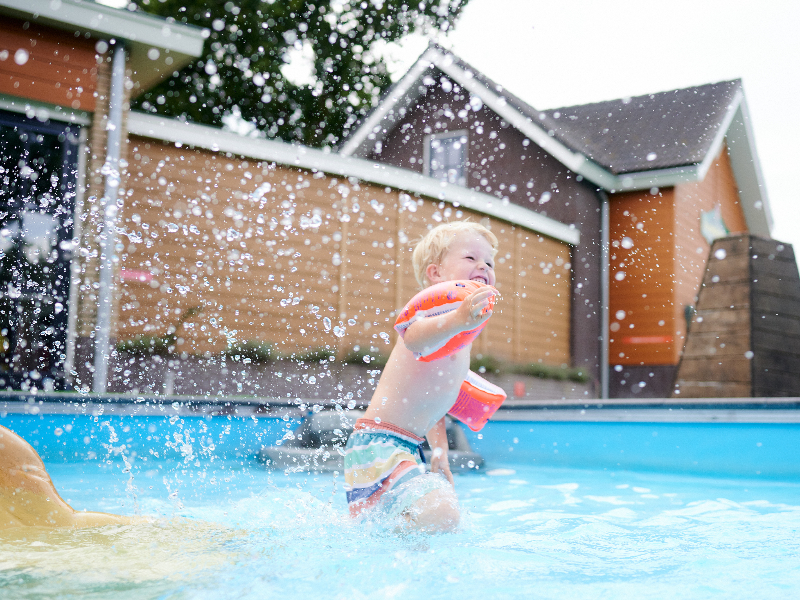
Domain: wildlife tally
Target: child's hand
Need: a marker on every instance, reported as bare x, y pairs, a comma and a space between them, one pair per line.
440, 464
475, 308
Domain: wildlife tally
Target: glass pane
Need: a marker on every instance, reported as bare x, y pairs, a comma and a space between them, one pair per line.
448, 157
12, 145
38, 177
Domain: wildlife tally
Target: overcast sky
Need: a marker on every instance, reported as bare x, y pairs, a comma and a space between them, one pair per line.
564, 52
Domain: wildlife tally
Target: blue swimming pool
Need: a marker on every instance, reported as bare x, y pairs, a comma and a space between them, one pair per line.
563, 510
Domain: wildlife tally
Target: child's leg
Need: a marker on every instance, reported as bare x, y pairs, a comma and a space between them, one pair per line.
435, 512
27, 495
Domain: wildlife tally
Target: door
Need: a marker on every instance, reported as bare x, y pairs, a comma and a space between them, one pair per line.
38, 177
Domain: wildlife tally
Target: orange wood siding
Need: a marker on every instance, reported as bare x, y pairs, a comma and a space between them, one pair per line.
56, 67
691, 249
664, 266
188, 212
641, 279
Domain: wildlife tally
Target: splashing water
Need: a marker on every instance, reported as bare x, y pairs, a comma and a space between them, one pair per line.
526, 532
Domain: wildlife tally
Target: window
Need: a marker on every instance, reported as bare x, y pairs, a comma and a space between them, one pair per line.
37, 188
446, 156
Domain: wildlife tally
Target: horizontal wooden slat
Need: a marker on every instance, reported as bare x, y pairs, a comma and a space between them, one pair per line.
364, 250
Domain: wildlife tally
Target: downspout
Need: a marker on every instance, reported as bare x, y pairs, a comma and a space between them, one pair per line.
605, 244
108, 203
75, 267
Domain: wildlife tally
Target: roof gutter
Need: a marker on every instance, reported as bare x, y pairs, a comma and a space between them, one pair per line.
156, 47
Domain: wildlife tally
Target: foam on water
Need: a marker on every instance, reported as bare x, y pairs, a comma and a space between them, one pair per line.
232, 530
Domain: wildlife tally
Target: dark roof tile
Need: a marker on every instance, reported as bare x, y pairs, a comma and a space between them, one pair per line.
655, 131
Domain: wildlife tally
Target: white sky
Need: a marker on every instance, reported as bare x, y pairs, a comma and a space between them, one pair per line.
563, 52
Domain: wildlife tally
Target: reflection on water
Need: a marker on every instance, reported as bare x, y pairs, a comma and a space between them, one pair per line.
171, 552
528, 533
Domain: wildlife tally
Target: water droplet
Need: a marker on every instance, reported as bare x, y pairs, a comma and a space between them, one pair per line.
313, 222
326, 322
351, 322
21, 56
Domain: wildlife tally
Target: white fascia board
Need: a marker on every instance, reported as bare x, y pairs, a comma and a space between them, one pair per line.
106, 21
747, 171
404, 93
43, 110
202, 136
642, 180
719, 139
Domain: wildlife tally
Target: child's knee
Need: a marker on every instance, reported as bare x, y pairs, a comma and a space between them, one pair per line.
436, 512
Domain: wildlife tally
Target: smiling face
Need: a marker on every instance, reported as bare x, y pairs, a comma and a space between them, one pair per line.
469, 256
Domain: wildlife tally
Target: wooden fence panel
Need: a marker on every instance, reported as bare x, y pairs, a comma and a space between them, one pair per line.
306, 261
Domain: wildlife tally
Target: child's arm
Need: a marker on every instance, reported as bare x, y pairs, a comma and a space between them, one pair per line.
428, 335
437, 438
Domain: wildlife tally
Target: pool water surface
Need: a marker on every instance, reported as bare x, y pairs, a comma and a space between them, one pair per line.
230, 529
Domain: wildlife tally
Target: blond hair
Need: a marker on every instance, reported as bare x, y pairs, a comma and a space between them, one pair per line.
431, 249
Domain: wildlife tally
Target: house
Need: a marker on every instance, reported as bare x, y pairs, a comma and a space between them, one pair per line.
648, 183
67, 71
209, 239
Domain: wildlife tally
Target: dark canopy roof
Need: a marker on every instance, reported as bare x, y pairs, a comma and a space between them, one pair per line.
655, 131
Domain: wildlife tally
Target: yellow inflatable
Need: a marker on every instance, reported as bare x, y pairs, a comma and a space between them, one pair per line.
28, 497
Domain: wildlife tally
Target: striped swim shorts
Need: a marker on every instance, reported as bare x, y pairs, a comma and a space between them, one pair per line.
384, 469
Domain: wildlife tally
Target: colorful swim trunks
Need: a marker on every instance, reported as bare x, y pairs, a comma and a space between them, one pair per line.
383, 467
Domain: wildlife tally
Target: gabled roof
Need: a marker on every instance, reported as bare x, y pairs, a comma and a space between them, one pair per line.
645, 133
657, 140
176, 44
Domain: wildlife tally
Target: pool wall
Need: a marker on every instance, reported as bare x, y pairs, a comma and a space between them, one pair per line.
761, 450
764, 450
74, 438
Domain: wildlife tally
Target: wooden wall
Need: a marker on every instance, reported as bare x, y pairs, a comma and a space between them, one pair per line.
654, 279
744, 340
39, 63
304, 256
641, 275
